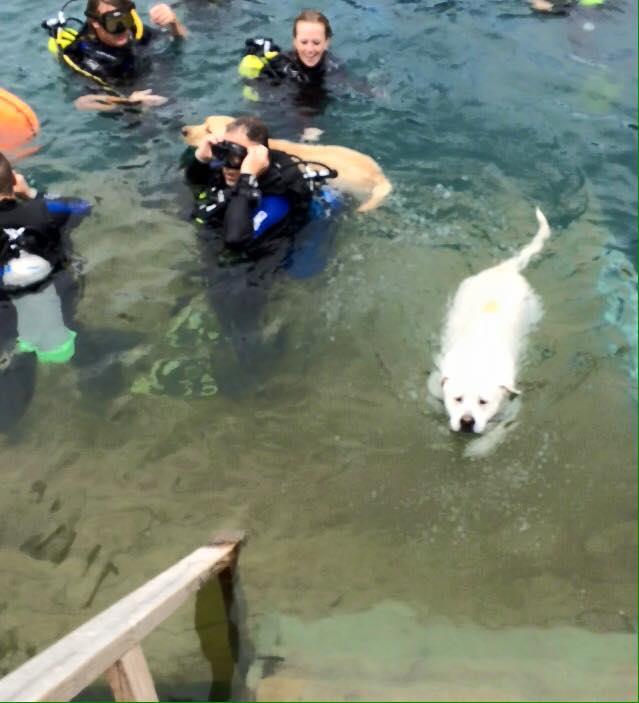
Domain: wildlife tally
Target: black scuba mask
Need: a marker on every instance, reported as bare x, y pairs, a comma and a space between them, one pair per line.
229, 153
116, 21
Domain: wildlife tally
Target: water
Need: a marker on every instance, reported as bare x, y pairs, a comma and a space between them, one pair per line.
363, 512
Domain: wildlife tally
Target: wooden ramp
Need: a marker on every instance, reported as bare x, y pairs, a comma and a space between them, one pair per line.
110, 642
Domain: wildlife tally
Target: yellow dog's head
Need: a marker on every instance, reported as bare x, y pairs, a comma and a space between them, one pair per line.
214, 125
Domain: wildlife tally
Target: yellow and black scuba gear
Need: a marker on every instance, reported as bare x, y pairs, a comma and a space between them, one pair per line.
257, 54
62, 37
262, 57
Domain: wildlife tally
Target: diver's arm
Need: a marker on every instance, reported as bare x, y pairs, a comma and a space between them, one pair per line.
59, 211
163, 16
22, 189
556, 7
197, 172
66, 212
104, 102
238, 222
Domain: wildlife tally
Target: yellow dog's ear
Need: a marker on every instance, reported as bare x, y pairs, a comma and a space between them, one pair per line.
217, 124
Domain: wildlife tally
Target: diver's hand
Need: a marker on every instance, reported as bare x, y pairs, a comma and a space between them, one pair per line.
163, 16
541, 5
311, 134
204, 153
105, 102
21, 188
146, 98
256, 160
102, 102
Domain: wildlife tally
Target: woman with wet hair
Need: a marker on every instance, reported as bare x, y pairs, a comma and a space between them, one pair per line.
308, 61
307, 74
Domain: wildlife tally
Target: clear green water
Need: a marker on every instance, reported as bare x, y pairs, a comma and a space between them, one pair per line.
352, 490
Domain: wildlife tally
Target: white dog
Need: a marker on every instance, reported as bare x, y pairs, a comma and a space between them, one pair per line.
484, 334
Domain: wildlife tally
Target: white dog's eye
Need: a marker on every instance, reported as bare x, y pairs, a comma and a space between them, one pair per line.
483, 402
459, 398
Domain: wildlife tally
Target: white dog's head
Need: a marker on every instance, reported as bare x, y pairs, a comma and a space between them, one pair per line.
472, 403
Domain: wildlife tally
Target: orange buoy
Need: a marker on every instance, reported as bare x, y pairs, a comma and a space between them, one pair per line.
18, 122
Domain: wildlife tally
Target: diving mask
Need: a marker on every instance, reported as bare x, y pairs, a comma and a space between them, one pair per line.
229, 153
116, 21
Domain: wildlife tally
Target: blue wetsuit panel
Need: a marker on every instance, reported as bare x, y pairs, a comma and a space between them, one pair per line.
314, 242
271, 210
67, 206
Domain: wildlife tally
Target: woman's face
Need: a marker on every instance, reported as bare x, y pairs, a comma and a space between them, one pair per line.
113, 40
310, 42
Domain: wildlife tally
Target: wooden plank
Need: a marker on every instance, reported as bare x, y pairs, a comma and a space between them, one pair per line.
130, 678
230, 677
71, 664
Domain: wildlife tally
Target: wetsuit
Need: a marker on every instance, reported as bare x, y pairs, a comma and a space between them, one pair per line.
274, 76
255, 214
107, 64
287, 66
43, 222
247, 232
313, 85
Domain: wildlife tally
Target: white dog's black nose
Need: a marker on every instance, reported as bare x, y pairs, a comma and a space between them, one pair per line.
466, 423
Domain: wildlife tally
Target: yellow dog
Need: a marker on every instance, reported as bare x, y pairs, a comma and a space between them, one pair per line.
358, 174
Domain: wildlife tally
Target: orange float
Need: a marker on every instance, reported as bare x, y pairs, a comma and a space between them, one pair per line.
18, 122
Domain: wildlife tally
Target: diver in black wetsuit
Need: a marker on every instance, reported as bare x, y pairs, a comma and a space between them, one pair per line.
111, 48
254, 195
251, 203
309, 71
38, 290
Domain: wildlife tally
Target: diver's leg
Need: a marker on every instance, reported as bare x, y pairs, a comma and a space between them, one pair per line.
17, 370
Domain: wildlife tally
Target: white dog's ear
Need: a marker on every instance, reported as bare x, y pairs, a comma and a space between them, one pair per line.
512, 392
444, 379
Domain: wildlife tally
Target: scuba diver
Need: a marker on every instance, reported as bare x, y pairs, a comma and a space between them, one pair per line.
255, 207
309, 70
111, 48
38, 289
308, 62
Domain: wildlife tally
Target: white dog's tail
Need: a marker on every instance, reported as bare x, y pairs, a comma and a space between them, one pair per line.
525, 255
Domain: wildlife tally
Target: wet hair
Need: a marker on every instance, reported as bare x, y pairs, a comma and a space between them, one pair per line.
6, 176
313, 16
122, 5
253, 127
